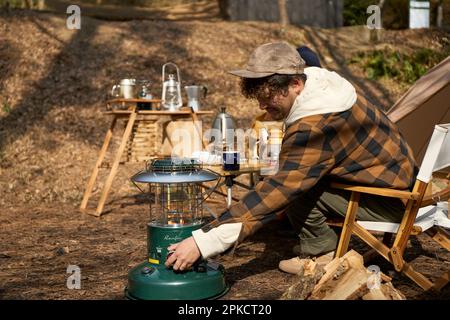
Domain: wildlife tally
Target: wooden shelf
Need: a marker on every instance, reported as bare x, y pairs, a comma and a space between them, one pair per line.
157, 112
133, 101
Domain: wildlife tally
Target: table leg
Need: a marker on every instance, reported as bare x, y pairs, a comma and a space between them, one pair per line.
250, 187
90, 185
229, 183
115, 164
199, 131
222, 193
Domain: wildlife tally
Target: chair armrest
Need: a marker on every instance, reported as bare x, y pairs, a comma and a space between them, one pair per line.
430, 199
377, 191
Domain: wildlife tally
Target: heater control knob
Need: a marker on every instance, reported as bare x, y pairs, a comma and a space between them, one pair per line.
147, 270
201, 267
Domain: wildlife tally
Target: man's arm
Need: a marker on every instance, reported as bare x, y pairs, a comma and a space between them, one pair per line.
305, 158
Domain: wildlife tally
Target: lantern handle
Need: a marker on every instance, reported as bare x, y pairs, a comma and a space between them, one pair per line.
164, 71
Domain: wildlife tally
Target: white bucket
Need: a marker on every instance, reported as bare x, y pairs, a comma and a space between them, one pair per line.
419, 14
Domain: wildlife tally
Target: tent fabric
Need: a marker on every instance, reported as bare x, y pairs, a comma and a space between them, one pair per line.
424, 105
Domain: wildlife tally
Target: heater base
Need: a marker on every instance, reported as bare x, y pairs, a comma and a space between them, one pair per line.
155, 282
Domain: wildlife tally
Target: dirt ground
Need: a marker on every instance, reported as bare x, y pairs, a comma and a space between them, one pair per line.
53, 87
40, 242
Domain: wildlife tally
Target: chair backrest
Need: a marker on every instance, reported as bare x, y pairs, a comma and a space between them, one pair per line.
437, 156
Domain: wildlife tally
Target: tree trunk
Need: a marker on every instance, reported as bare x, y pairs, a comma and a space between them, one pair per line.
375, 34
28, 4
41, 4
439, 15
224, 9
284, 18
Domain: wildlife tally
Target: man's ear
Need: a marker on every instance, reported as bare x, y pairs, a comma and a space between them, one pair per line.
297, 85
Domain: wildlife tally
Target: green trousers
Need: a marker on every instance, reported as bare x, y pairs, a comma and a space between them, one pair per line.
309, 212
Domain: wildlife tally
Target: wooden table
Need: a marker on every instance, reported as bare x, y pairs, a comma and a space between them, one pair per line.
230, 176
129, 112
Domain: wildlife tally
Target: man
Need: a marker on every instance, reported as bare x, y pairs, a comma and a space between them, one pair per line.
311, 60
330, 135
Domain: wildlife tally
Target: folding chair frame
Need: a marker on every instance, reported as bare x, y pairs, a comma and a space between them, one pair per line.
394, 253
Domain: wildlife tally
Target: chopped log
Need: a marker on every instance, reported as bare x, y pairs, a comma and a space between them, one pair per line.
345, 279
386, 291
304, 282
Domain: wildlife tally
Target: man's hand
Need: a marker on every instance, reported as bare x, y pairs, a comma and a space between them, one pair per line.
185, 253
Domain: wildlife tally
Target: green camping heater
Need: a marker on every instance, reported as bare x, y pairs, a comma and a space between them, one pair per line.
176, 197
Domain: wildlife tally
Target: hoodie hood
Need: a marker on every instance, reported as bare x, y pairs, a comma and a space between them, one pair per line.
325, 92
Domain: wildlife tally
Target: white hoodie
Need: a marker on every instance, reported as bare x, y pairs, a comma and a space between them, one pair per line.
325, 92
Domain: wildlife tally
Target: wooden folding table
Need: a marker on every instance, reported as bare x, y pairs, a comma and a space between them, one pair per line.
129, 112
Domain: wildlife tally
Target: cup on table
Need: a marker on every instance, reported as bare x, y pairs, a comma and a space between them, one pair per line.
230, 160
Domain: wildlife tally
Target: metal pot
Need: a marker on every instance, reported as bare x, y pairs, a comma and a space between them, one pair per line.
223, 125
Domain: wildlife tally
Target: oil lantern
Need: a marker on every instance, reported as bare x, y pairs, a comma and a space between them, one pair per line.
171, 92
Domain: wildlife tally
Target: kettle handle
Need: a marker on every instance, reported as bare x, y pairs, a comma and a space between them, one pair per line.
205, 91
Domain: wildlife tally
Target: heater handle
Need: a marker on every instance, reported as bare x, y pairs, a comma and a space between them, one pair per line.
137, 186
212, 189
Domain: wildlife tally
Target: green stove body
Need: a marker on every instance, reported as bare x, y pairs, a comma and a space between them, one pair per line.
175, 205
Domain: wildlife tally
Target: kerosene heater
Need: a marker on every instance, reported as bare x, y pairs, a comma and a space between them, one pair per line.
176, 209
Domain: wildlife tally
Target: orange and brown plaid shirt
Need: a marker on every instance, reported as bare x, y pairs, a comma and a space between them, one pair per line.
360, 146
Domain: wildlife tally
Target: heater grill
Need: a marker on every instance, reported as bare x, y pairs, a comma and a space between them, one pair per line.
174, 191
175, 204
169, 165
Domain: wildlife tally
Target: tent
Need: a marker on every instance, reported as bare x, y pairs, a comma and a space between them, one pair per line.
425, 104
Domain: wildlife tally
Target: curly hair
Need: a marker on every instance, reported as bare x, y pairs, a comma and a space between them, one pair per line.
268, 87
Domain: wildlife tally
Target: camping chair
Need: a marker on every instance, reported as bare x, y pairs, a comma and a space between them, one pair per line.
430, 220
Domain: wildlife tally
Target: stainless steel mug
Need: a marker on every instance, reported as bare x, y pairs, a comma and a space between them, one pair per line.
127, 89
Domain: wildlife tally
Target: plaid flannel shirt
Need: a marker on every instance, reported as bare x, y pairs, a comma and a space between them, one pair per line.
360, 146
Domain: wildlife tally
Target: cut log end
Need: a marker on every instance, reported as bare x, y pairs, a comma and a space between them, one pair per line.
343, 278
